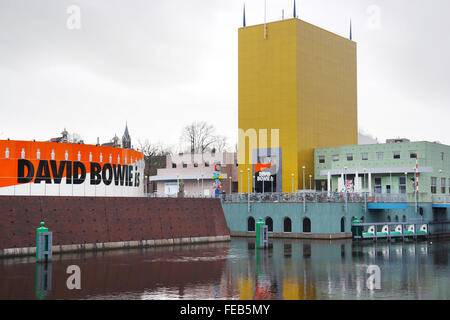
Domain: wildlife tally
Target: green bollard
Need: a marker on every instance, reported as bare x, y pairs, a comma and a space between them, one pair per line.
258, 232
357, 230
39, 230
261, 234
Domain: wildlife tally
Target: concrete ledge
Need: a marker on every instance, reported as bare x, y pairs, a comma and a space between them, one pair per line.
16, 252
318, 236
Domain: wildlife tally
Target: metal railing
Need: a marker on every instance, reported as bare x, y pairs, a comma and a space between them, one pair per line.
441, 198
307, 196
388, 198
301, 196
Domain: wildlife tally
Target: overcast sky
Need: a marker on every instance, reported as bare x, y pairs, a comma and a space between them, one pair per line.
162, 64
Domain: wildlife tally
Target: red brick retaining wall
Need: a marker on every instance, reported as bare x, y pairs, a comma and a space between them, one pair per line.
84, 220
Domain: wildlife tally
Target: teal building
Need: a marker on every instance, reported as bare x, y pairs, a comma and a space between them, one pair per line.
375, 183
387, 171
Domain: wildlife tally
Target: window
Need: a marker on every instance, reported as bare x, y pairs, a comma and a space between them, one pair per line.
306, 225
269, 223
251, 224
402, 185
174, 165
364, 156
442, 156
206, 164
396, 155
433, 185
321, 159
377, 185
349, 156
380, 155
184, 165
343, 224
388, 189
336, 158
287, 225
443, 186
413, 154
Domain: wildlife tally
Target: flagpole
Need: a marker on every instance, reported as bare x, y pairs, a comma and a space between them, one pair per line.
265, 19
417, 181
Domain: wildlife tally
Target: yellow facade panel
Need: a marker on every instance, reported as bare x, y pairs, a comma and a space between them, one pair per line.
300, 80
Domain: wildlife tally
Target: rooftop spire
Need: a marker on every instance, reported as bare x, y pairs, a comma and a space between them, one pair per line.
244, 17
295, 10
351, 35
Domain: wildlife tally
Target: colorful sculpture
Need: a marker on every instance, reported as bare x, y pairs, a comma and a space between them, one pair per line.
217, 176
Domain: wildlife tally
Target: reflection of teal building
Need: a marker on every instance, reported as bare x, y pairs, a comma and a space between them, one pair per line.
308, 270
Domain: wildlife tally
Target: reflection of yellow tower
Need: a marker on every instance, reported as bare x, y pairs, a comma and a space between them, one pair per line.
245, 287
302, 81
292, 290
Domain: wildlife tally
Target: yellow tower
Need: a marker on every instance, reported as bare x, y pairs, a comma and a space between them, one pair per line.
297, 92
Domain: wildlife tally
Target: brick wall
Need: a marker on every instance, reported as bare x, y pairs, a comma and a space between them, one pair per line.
75, 220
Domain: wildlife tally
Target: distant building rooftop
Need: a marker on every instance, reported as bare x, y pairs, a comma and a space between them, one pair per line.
398, 140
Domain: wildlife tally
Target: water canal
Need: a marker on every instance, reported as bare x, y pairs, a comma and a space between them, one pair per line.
290, 270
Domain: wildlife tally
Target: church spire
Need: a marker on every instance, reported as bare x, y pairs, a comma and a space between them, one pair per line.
126, 139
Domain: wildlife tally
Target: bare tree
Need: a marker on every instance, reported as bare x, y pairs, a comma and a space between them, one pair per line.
154, 156
221, 144
199, 136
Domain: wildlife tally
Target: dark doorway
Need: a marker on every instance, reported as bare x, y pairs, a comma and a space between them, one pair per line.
306, 225
269, 223
343, 224
251, 224
287, 225
269, 182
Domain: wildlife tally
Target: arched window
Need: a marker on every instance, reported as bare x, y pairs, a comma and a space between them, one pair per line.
251, 224
396, 218
389, 218
404, 218
306, 225
269, 223
343, 224
287, 225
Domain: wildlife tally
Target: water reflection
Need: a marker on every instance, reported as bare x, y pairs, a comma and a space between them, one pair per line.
43, 282
289, 269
